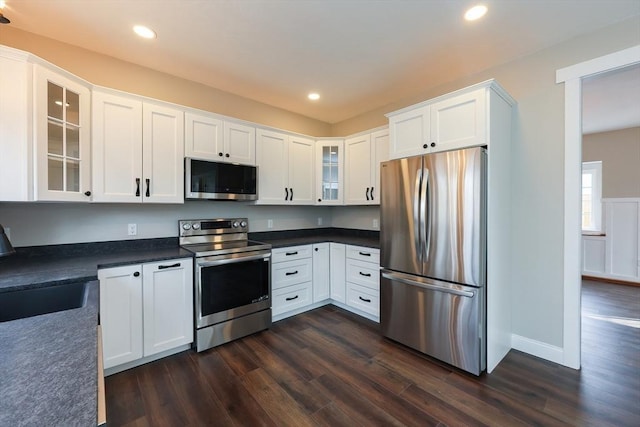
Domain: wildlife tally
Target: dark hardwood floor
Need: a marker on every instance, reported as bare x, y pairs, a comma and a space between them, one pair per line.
328, 367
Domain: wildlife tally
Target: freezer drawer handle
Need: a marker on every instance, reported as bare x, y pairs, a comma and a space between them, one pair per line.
365, 274
364, 299
291, 253
364, 253
163, 267
291, 273
467, 294
292, 298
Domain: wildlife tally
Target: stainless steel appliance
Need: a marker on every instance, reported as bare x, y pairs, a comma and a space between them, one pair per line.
433, 255
205, 179
232, 280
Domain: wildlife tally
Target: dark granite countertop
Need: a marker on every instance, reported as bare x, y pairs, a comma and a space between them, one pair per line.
280, 239
49, 265
48, 367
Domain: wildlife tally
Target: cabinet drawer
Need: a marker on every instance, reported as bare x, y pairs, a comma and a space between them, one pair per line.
291, 298
290, 253
291, 272
363, 273
363, 254
362, 298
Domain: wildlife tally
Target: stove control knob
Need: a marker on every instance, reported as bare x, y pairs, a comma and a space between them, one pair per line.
196, 226
236, 224
243, 224
186, 226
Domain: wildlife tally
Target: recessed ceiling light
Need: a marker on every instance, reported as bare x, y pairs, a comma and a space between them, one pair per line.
145, 32
476, 12
313, 96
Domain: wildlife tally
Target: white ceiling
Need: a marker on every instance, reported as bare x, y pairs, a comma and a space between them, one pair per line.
359, 54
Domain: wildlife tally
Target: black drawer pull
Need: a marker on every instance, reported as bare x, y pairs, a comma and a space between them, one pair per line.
365, 274
292, 298
136, 274
291, 273
364, 253
137, 187
148, 181
364, 299
291, 253
163, 267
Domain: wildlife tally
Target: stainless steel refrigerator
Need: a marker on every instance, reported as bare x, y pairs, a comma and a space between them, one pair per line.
433, 255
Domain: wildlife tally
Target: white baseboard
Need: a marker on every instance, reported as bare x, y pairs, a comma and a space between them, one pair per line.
538, 349
138, 362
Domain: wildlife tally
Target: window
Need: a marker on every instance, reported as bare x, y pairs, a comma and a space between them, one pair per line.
592, 196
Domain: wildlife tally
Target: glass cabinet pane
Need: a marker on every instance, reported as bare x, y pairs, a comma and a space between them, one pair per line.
55, 101
73, 142
330, 182
73, 175
55, 131
73, 108
56, 175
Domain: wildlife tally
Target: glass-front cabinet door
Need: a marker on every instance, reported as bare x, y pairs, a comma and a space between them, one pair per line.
330, 171
62, 115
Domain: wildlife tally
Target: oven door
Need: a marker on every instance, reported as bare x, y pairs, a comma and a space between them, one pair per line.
232, 285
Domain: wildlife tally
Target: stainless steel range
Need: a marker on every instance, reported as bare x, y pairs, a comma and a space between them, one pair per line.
232, 280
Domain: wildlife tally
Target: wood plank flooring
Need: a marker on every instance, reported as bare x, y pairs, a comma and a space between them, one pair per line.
328, 367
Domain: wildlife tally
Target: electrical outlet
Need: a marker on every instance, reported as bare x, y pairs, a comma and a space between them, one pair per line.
375, 224
269, 223
319, 220
132, 229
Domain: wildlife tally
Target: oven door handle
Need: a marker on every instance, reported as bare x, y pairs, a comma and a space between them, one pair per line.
202, 263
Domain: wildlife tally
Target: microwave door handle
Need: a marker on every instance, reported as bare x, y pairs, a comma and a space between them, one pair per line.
426, 213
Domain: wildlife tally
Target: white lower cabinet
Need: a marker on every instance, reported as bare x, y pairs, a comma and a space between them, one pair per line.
363, 280
321, 275
337, 255
145, 310
291, 280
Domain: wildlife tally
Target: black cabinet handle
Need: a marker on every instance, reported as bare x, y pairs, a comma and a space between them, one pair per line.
433, 144
371, 193
226, 155
87, 193
292, 298
286, 190
291, 189
291, 273
220, 154
364, 299
137, 187
319, 200
136, 274
316, 249
424, 146
148, 181
164, 267
366, 193
291, 253
364, 253
365, 274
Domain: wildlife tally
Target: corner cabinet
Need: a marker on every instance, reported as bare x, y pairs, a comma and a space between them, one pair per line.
363, 154
456, 120
329, 171
138, 150
285, 168
62, 112
210, 137
146, 310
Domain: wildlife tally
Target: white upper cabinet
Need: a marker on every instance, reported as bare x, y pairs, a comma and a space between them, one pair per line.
208, 137
285, 168
363, 154
452, 121
138, 150
329, 171
62, 115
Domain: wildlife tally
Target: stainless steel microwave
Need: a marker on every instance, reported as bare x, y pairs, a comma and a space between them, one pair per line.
205, 179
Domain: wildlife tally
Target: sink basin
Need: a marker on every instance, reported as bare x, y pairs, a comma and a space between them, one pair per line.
35, 301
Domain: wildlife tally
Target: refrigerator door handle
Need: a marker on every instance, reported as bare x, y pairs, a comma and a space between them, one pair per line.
417, 214
425, 215
431, 287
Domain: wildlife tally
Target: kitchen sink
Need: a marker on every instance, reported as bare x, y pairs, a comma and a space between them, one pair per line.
35, 301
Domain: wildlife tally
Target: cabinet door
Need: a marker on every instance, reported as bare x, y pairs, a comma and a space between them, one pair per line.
203, 137
459, 122
16, 175
410, 133
163, 154
337, 255
121, 314
380, 150
168, 305
62, 135
321, 272
301, 177
272, 158
239, 143
357, 162
117, 148
330, 172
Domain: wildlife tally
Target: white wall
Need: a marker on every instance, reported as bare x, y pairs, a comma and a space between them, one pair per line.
358, 217
35, 224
